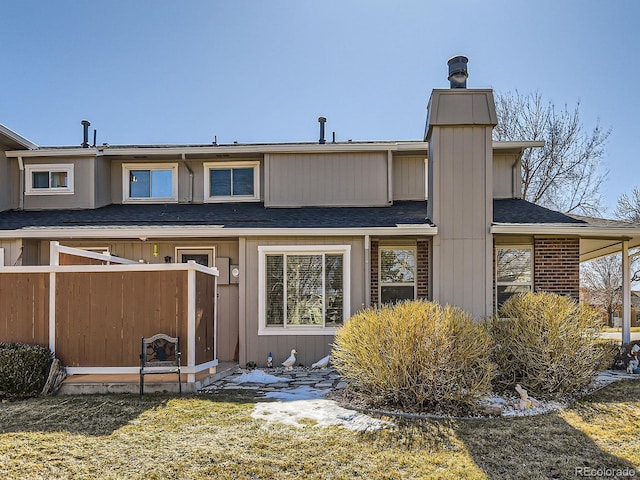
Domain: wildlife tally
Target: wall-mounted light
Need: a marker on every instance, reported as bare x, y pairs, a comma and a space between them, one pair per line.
155, 249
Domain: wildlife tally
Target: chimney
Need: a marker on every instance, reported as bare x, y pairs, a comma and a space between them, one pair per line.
322, 121
458, 71
85, 130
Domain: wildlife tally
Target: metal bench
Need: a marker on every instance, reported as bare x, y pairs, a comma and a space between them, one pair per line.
159, 354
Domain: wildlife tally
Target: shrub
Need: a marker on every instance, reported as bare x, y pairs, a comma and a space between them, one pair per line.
548, 343
415, 355
23, 369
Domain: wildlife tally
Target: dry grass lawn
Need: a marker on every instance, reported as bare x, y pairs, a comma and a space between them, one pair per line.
214, 436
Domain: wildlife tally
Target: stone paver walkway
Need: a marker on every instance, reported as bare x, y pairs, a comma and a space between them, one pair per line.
324, 379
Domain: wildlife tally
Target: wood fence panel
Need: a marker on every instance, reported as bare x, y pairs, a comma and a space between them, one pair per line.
101, 316
66, 259
205, 300
24, 308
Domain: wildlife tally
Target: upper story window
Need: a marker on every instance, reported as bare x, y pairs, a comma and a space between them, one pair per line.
144, 182
49, 179
514, 272
397, 274
232, 181
303, 289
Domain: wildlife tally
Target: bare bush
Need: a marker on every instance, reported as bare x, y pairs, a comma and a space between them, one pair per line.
416, 355
548, 343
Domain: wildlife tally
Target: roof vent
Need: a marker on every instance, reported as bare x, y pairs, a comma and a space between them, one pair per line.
322, 121
85, 133
458, 71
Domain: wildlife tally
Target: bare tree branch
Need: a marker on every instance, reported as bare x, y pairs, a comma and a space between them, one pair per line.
565, 174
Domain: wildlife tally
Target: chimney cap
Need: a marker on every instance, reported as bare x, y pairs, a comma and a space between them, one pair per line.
85, 123
458, 73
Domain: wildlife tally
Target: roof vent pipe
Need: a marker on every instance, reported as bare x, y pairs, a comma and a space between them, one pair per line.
458, 73
85, 130
322, 121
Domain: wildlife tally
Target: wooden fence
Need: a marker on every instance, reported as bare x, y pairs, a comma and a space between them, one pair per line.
93, 313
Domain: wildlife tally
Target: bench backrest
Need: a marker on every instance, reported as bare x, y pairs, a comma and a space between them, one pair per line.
160, 351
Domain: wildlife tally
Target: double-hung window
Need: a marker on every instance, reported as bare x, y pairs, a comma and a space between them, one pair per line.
397, 274
303, 289
49, 179
232, 181
514, 272
146, 183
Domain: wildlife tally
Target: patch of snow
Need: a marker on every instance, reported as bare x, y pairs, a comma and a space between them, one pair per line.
323, 412
258, 376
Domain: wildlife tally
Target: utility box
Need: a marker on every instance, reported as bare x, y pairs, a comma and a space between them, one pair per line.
222, 264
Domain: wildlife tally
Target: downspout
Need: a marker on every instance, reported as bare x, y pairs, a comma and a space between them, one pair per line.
184, 160
389, 177
21, 199
513, 178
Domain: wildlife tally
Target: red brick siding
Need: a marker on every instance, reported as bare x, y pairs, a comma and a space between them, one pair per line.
423, 268
374, 272
557, 266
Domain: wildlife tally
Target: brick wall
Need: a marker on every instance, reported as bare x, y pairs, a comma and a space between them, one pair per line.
374, 272
423, 268
557, 266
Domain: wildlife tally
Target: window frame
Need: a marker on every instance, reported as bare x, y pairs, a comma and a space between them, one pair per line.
208, 166
264, 251
529, 284
414, 248
30, 169
126, 171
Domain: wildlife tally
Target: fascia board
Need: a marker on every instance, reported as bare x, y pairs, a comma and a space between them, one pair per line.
210, 231
563, 229
53, 152
16, 137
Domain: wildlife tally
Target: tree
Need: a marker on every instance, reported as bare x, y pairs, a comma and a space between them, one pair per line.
601, 281
566, 173
628, 208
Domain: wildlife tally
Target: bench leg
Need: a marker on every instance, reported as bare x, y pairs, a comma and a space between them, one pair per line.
141, 384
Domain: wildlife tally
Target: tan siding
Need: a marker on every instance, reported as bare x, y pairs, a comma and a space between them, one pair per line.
310, 347
408, 178
5, 184
12, 252
83, 194
463, 212
24, 308
327, 179
102, 181
505, 185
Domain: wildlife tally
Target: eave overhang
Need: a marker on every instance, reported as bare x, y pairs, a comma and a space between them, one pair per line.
194, 231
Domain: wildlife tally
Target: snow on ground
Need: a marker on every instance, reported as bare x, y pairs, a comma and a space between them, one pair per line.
258, 376
307, 403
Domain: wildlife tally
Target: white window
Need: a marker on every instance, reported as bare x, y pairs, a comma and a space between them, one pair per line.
304, 290
202, 255
514, 272
232, 181
49, 179
397, 274
150, 183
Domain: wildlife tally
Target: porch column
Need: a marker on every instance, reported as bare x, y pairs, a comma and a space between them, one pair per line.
626, 293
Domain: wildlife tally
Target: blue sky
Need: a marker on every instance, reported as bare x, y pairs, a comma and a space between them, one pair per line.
175, 72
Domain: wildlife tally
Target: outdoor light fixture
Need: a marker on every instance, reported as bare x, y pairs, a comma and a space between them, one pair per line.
155, 249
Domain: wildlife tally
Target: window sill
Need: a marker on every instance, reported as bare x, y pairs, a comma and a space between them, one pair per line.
150, 200
237, 199
49, 192
296, 331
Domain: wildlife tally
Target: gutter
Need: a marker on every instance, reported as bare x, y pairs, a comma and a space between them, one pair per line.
564, 229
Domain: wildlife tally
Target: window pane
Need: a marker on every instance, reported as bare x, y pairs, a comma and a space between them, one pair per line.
40, 179
139, 184
397, 265
161, 183
275, 289
243, 181
507, 291
514, 265
220, 183
304, 289
59, 180
333, 284
395, 293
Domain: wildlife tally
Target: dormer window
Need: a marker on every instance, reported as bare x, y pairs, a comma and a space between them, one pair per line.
150, 183
49, 179
232, 181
